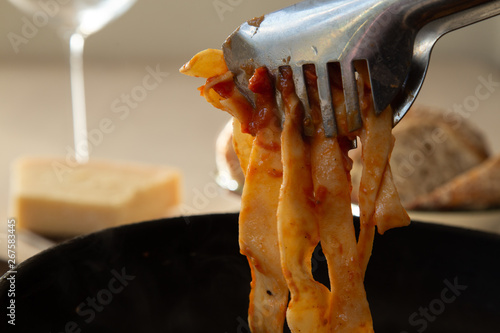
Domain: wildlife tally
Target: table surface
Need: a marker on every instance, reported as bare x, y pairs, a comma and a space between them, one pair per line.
172, 124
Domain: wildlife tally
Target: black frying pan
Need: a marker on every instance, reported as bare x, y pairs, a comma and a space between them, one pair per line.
186, 275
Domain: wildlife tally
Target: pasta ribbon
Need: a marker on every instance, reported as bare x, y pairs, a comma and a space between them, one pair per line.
297, 195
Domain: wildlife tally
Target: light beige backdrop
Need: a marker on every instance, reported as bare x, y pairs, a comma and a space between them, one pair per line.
172, 124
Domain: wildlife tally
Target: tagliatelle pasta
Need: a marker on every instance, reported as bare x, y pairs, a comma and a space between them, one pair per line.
297, 194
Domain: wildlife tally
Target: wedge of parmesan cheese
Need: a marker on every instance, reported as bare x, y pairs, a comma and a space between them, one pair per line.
51, 198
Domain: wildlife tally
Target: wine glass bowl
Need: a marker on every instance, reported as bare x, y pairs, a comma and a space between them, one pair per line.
82, 16
74, 20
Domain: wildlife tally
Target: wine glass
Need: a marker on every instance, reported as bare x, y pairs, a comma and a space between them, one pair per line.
75, 20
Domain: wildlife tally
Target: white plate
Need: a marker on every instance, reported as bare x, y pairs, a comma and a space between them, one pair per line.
484, 220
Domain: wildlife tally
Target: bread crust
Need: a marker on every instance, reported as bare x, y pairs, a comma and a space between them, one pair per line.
432, 148
478, 188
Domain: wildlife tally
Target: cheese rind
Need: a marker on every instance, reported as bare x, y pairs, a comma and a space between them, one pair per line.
89, 197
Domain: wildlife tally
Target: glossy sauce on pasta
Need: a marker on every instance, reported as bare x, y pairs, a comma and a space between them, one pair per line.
297, 194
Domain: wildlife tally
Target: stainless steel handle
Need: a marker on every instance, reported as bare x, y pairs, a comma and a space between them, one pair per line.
436, 18
456, 13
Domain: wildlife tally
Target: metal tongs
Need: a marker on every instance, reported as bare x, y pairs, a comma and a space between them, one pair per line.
394, 37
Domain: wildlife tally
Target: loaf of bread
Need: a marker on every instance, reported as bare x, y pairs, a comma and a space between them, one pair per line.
478, 188
432, 148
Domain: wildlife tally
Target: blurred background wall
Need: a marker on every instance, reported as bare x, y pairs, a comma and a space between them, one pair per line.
177, 29
35, 104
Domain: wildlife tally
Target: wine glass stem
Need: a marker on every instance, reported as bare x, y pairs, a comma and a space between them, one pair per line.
76, 44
